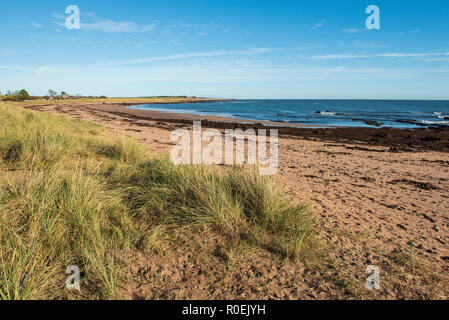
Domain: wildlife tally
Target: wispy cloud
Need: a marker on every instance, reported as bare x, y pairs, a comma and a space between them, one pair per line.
380, 55
361, 44
353, 30
94, 23
145, 43
319, 24
110, 26
36, 25
224, 71
438, 59
416, 30
191, 55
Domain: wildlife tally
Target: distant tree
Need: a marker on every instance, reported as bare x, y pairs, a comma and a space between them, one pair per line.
23, 94
17, 95
52, 93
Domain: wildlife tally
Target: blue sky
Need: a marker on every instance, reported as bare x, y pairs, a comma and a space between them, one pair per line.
233, 49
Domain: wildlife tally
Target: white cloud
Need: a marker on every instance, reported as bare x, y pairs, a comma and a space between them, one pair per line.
110, 26
222, 71
437, 59
191, 55
226, 77
99, 24
145, 43
319, 24
337, 56
381, 55
353, 30
36, 25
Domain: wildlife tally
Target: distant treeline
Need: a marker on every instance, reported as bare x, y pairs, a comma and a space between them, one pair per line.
22, 95
165, 97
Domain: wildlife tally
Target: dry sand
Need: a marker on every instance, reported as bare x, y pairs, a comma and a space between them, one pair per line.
376, 204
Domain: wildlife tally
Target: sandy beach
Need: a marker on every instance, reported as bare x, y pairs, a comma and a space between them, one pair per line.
380, 196
224, 159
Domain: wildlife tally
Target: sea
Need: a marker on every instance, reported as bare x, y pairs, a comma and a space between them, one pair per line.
323, 113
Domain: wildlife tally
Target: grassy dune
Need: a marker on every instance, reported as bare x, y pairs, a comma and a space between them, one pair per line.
72, 194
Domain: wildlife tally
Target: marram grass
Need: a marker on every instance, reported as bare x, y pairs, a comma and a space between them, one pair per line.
70, 194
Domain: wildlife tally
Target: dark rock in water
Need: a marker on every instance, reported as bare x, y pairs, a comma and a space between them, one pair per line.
373, 123
280, 115
368, 122
412, 122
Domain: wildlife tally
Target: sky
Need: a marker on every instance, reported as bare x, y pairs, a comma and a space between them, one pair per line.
278, 49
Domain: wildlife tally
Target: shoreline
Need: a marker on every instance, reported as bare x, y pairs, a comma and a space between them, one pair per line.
433, 120
396, 139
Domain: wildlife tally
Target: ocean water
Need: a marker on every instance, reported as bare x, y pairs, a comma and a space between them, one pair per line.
343, 113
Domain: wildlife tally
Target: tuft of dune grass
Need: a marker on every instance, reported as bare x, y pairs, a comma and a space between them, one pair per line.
238, 205
50, 220
70, 194
122, 149
32, 140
